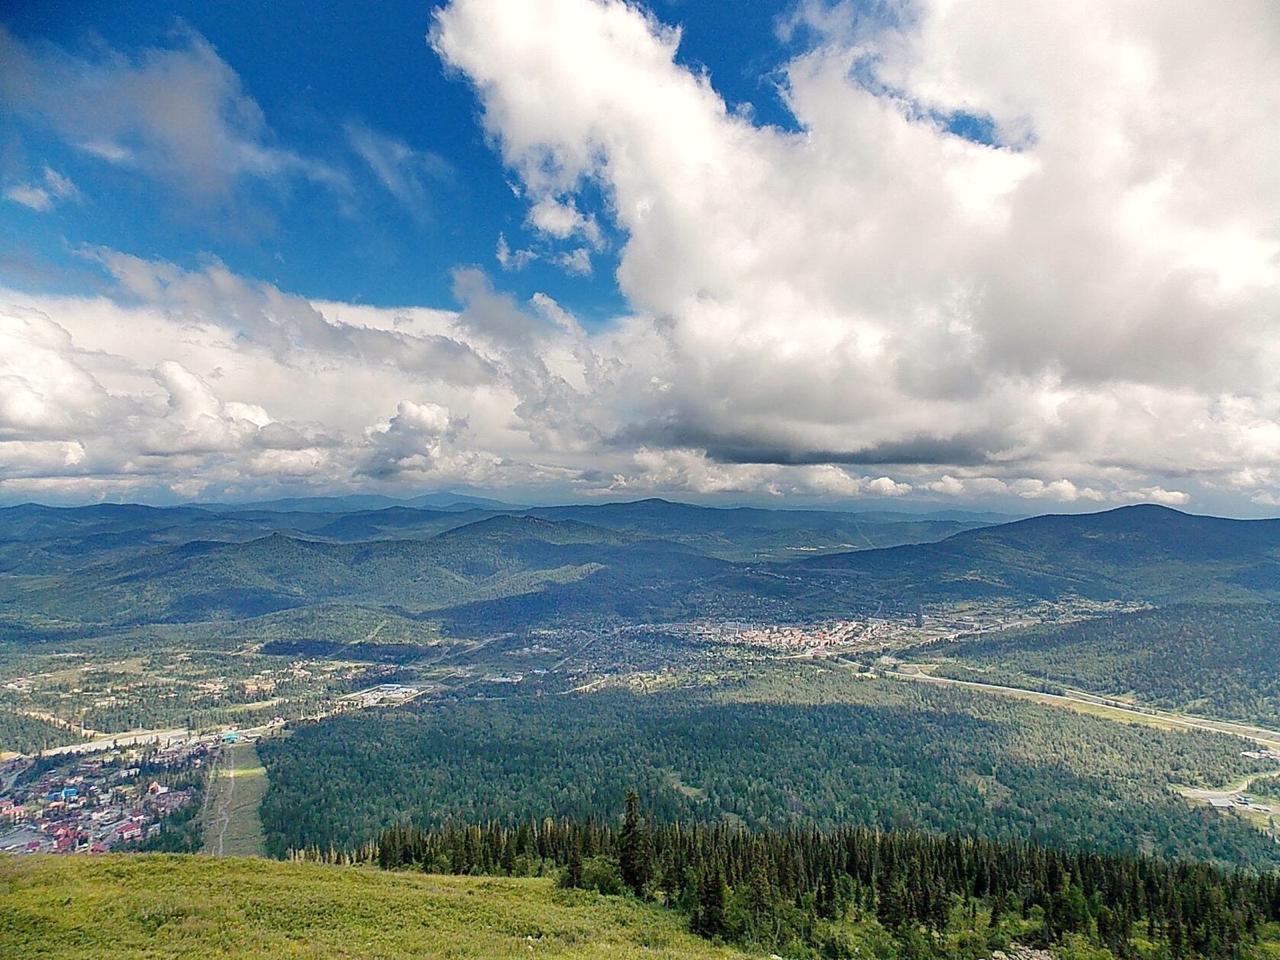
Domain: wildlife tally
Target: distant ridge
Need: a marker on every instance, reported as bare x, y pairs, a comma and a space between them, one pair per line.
362, 501
647, 560
1145, 551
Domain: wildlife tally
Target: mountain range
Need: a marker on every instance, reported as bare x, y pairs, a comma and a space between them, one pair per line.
477, 569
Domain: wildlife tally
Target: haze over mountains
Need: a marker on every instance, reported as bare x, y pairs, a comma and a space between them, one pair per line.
647, 560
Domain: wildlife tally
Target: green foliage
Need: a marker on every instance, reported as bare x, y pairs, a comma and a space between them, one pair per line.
1222, 659
805, 892
635, 852
602, 875
23, 734
791, 747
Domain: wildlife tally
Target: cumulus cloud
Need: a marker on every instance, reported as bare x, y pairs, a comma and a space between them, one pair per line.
1090, 291
412, 439
562, 220
200, 381
45, 385
1005, 252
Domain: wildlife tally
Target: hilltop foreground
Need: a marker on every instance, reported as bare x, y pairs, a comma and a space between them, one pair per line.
123, 906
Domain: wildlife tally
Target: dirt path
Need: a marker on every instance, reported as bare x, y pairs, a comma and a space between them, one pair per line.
1229, 792
236, 786
222, 815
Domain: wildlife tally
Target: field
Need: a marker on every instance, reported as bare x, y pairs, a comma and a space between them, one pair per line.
231, 824
185, 906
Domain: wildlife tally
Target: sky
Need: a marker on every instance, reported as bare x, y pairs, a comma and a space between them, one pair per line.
1005, 254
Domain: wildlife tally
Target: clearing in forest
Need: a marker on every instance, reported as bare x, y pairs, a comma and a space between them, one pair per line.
232, 827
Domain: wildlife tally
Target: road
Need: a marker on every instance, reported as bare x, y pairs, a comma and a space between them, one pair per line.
1092, 703
129, 739
1230, 791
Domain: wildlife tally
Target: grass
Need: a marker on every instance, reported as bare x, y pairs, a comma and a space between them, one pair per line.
232, 827
123, 906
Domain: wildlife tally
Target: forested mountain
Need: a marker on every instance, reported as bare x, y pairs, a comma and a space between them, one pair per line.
1142, 552
747, 533
736, 534
495, 557
480, 571
1220, 659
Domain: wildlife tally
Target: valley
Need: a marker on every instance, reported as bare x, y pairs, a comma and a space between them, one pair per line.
524, 666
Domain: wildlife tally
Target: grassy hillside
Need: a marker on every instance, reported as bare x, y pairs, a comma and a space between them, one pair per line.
151, 906
232, 827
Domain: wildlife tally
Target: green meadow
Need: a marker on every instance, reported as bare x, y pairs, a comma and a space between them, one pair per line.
121, 906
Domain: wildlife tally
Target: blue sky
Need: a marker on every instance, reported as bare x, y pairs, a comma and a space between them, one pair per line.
317, 71
1015, 255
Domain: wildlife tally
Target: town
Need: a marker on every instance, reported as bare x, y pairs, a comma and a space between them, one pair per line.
72, 803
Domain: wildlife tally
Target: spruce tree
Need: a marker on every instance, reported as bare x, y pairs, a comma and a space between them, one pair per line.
635, 851
709, 920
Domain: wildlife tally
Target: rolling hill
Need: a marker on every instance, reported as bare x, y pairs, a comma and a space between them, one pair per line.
1219, 659
125, 906
1142, 552
651, 560
493, 558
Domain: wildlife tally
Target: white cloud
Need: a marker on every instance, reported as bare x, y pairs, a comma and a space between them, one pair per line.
37, 198
867, 305
178, 112
562, 220
42, 196
1062, 490
22, 457
510, 259
405, 172
576, 262
1169, 498
888, 487
1089, 303
45, 383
